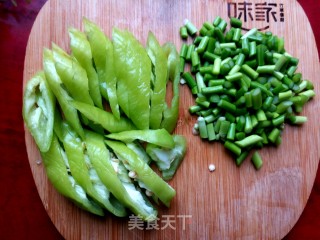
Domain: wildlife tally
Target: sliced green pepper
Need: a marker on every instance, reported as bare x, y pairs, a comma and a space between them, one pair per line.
38, 110
158, 96
133, 71
168, 160
115, 177
81, 50
85, 174
143, 172
139, 150
55, 164
56, 85
158, 137
170, 115
106, 119
98, 42
111, 80
73, 76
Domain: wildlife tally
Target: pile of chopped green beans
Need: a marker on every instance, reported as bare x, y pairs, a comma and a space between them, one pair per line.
245, 85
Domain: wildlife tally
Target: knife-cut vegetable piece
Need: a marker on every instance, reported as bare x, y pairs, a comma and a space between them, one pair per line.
133, 71
63, 97
115, 177
98, 43
143, 172
38, 110
171, 114
81, 50
73, 76
168, 160
111, 80
55, 164
106, 119
158, 96
159, 137
84, 173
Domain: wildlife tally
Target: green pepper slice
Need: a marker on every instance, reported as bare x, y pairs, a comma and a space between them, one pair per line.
63, 97
106, 119
133, 71
170, 115
38, 110
158, 95
158, 137
98, 42
55, 161
73, 76
84, 173
81, 50
111, 80
168, 160
115, 177
144, 173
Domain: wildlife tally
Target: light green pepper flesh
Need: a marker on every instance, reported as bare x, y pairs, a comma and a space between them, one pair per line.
55, 84
84, 174
170, 115
73, 76
144, 173
168, 160
55, 164
111, 80
106, 119
158, 95
97, 40
81, 50
158, 137
133, 71
38, 110
100, 158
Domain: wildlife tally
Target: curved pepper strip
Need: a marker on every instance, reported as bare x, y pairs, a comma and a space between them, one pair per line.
98, 42
123, 189
139, 150
158, 95
170, 115
106, 119
73, 76
38, 110
84, 173
158, 137
168, 160
144, 173
111, 80
133, 71
55, 84
54, 161
81, 50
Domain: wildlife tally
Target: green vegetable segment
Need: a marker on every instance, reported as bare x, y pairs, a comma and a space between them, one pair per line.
143, 172
108, 168
63, 97
38, 110
133, 71
55, 161
158, 94
81, 50
246, 87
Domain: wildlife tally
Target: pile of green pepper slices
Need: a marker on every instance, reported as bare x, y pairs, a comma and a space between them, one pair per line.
100, 159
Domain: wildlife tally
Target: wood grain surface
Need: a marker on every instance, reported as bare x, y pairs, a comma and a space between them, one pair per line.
230, 203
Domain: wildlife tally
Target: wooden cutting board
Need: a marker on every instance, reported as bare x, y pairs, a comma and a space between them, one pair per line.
232, 202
